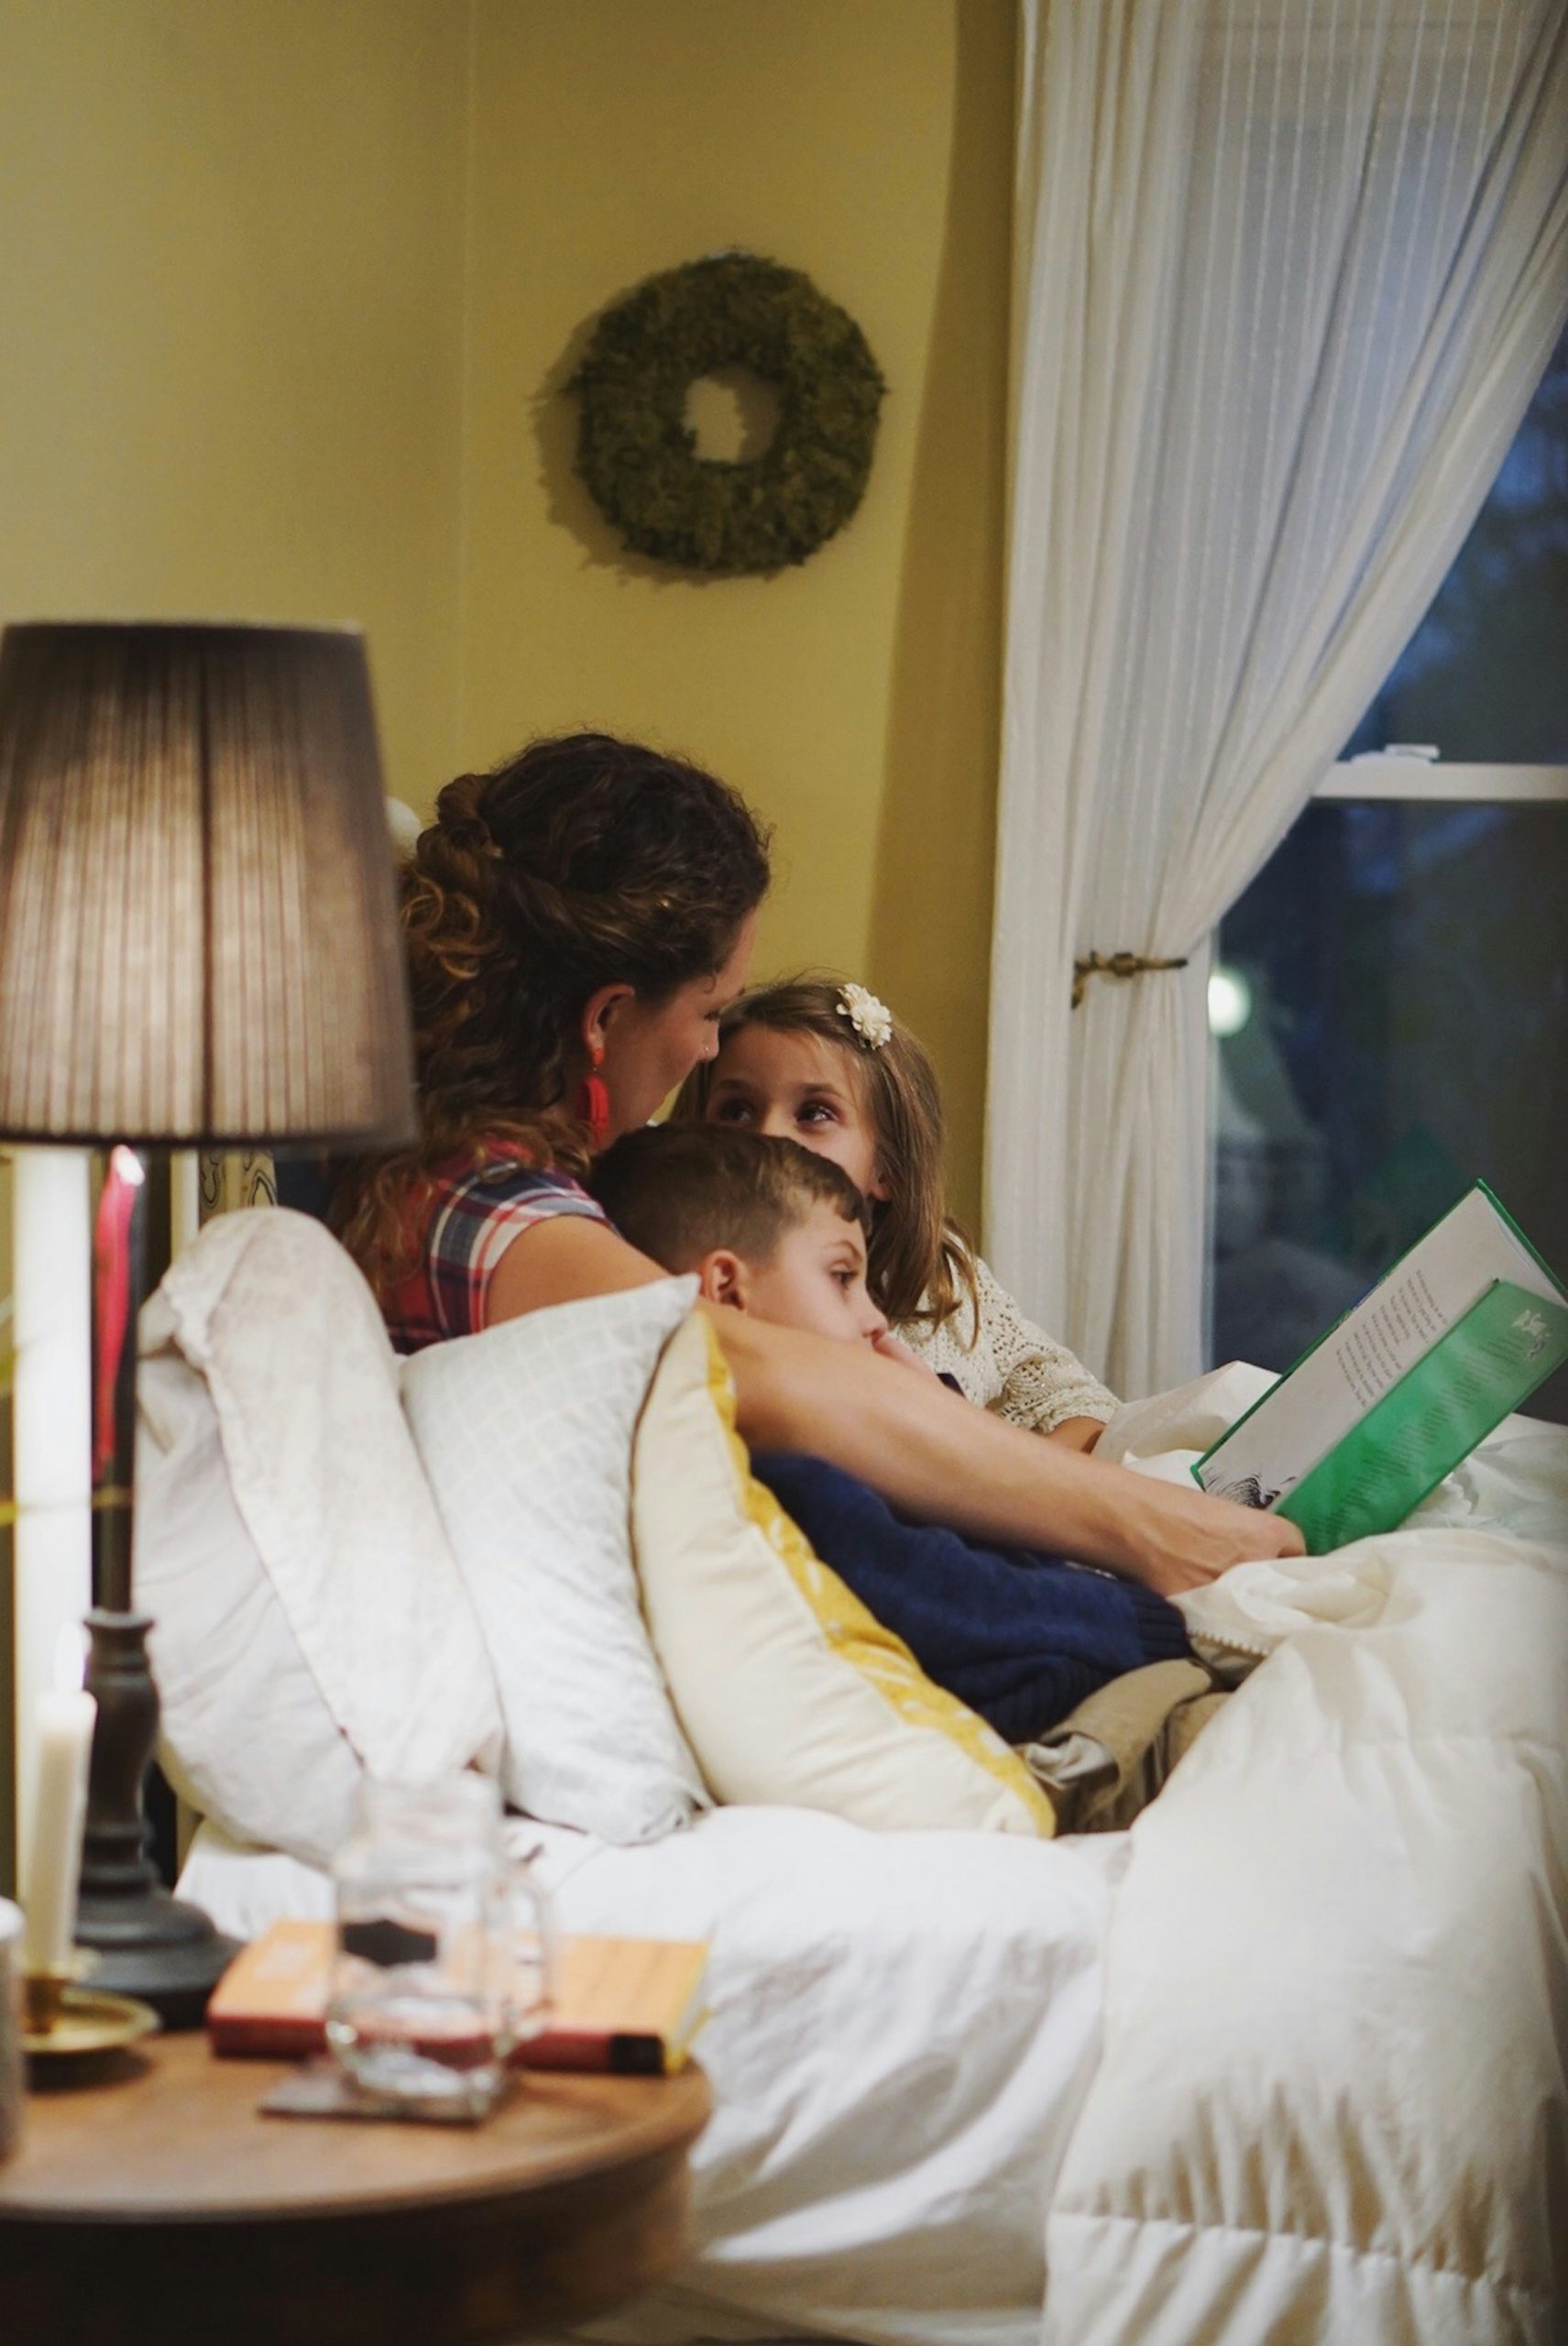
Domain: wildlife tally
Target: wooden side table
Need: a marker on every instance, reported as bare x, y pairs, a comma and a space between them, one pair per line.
161, 2206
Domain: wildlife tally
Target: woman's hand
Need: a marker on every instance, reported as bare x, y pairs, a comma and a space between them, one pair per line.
1180, 1539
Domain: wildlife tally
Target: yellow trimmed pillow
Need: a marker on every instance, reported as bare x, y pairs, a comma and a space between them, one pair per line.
790, 1694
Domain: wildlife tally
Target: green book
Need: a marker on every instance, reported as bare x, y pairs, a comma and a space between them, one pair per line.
1459, 1332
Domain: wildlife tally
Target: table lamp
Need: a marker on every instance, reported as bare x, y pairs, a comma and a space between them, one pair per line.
198, 948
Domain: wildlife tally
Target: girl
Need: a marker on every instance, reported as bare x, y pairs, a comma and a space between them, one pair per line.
824, 1062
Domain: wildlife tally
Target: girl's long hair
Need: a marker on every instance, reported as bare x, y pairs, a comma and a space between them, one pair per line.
584, 862
921, 1267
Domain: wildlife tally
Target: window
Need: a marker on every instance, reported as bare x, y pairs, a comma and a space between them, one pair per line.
1390, 995
1484, 677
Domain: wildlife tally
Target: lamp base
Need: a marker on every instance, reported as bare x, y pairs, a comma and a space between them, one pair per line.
153, 1946
159, 1949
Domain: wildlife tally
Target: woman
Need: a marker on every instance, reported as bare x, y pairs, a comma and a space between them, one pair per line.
576, 923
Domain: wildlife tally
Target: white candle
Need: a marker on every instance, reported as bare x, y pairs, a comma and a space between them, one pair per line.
62, 1746
51, 1422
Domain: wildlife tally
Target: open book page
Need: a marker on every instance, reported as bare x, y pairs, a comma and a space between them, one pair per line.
1485, 1365
1428, 1291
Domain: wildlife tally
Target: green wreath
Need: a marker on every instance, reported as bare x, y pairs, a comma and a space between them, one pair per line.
638, 454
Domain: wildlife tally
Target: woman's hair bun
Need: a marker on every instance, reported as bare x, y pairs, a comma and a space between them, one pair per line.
460, 817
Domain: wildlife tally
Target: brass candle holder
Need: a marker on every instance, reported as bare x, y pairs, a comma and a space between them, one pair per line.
43, 1998
65, 2022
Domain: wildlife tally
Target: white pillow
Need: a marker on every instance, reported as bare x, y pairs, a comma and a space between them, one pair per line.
793, 1693
246, 1737
309, 1620
526, 1433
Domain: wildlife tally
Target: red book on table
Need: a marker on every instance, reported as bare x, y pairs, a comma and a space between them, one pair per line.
630, 2006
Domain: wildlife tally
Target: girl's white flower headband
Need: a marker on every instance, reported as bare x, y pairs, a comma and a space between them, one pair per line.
871, 1019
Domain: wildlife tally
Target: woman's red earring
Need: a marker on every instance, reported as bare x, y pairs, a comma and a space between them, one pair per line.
593, 1101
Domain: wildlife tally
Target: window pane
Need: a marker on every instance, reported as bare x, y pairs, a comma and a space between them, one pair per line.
1400, 1014
1484, 675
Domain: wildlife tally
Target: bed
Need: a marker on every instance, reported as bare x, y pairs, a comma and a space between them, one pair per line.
1286, 2060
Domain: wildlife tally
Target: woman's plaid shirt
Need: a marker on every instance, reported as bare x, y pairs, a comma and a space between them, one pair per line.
464, 1218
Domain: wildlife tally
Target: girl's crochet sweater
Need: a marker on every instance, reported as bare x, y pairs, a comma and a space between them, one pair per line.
1011, 1367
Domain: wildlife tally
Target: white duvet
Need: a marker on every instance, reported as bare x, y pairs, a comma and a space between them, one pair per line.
1285, 2063
902, 2029
1330, 2102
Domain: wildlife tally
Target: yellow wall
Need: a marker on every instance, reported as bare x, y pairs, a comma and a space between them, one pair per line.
230, 277
853, 699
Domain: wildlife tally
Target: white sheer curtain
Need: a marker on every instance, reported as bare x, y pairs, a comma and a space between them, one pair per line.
1286, 274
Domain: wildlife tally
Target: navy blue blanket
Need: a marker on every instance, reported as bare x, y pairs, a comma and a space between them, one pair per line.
1018, 1637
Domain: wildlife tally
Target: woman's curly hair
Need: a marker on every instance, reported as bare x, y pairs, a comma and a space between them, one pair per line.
584, 862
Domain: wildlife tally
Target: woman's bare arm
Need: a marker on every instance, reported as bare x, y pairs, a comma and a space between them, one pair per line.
925, 1449
560, 1261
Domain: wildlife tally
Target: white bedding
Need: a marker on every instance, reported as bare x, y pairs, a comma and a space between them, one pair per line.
901, 2029
1329, 2104
1326, 2102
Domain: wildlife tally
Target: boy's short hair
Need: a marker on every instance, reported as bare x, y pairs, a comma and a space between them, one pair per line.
676, 1191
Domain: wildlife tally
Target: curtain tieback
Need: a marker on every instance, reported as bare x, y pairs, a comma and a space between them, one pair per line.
1116, 965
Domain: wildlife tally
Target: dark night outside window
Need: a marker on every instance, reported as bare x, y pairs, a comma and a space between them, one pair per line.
1395, 978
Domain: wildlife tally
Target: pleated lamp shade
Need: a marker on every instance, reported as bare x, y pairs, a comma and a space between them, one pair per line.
198, 931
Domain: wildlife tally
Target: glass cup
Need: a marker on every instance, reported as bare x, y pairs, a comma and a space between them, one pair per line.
442, 1957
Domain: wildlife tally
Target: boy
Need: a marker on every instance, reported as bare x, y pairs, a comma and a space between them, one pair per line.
770, 1227
767, 1226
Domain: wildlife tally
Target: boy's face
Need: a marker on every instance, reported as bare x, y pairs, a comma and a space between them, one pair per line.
816, 1279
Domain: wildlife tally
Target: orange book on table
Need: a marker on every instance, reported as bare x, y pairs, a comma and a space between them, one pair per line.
630, 2006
